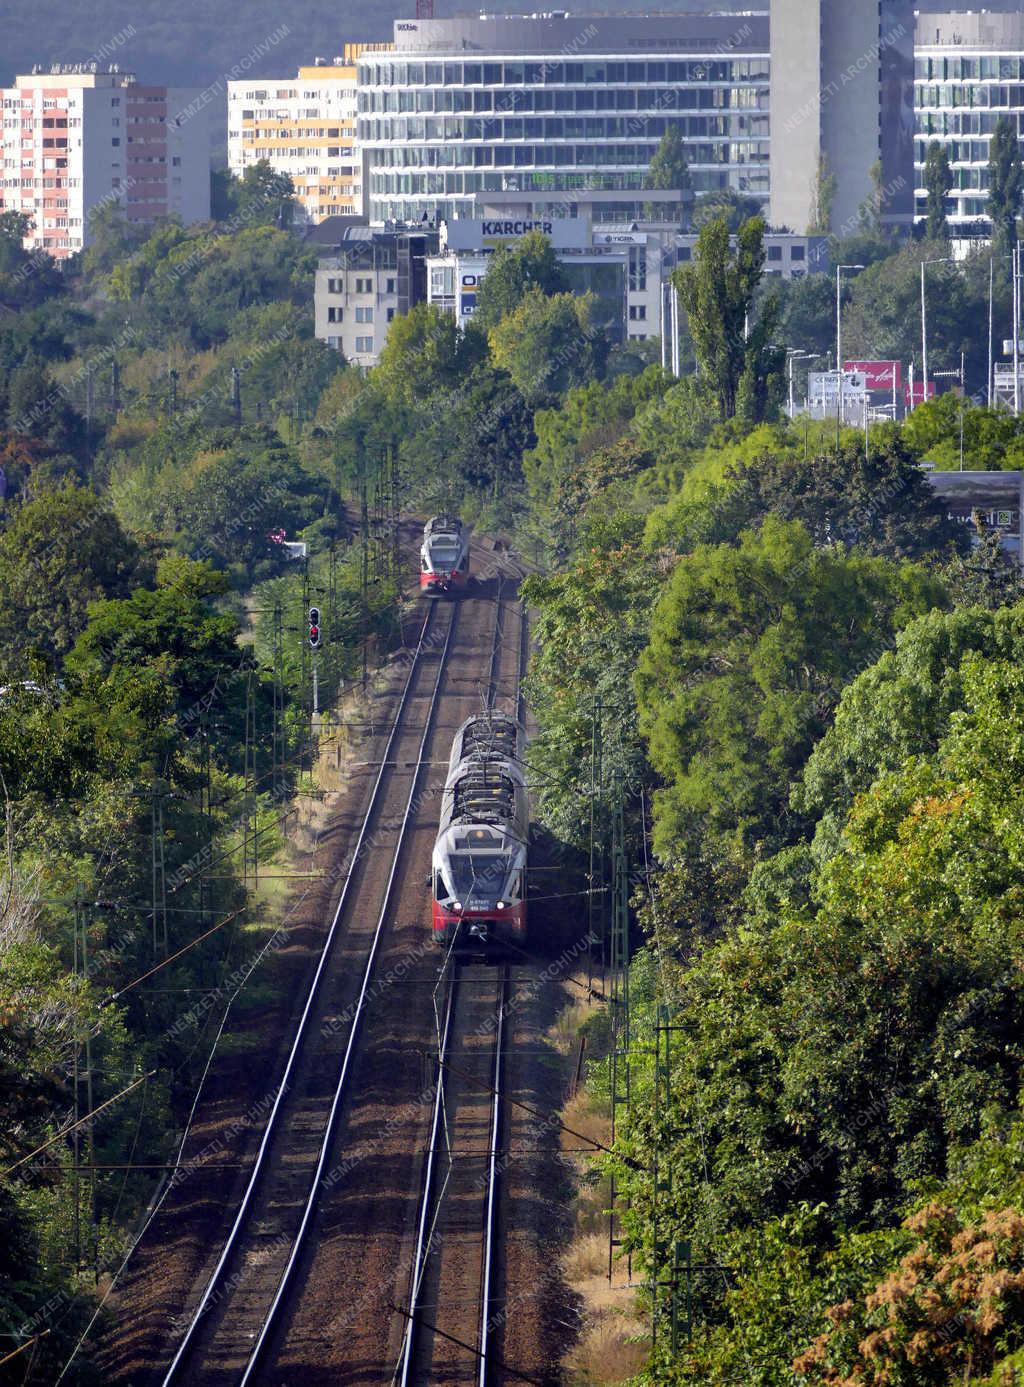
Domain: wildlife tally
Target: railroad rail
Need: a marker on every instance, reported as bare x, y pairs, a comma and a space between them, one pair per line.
276, 1126
455, 1262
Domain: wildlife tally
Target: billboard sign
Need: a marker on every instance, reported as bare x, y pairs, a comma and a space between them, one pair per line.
879, 375
912, 401
823, 387
487, 233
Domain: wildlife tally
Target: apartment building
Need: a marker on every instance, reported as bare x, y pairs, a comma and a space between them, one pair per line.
363, 282
305, 127
968, 74
77, 138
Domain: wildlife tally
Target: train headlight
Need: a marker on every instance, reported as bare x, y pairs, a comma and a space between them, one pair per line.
501, 905
456, 905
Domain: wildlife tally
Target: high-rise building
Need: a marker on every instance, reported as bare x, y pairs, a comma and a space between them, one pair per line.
969, 73
551, 108
76, 138
305, 127
842, 111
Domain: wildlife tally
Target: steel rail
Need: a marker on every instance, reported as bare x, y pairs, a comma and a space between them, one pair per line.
490, 1219
421, 1251
360, 1007
428, 1207
269, 1132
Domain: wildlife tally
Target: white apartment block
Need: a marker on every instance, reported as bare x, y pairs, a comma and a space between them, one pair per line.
305, 127
77, 138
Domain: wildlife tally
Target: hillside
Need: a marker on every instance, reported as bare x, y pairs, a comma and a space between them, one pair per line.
197, 42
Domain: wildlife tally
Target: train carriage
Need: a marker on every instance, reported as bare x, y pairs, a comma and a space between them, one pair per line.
444, 555
479, 861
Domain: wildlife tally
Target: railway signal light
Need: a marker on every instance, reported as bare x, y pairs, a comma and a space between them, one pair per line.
314, 627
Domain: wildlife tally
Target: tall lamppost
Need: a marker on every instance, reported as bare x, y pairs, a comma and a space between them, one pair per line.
794, 354
839, 339
939, 260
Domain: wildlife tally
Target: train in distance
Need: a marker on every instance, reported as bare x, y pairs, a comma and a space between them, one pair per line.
444, 555
479, 867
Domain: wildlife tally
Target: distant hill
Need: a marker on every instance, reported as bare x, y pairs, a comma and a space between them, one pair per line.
195, 42
198, 42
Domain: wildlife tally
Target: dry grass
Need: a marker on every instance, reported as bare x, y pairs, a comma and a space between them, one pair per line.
588, 1117
611, 1345
605, 1353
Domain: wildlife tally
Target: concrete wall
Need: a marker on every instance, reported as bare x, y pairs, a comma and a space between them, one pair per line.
796, 106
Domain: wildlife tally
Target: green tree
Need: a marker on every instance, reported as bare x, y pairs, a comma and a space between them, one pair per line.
513, 269
823, 196
987, 575
883, 504
750, 649
938, 182
733, 343
550, 344
736, 208
668, 171
59, 553
1005, 180
236, 496
426, 351
261, 197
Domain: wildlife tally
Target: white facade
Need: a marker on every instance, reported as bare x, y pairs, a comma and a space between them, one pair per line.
353, 307
304, 127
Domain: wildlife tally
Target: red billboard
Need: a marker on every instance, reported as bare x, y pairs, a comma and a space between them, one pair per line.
878, 374
912, 403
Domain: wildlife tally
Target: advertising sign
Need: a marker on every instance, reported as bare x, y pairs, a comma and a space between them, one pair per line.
823, 387
918, 396
878, 374
486, 233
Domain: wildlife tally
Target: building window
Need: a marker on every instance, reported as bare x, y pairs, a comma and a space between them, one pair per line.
390, 289
796, 253
364, 286
364, 315
774, 252
391, 314
335, 315
637, 312
637, 269
335, 286
364, 344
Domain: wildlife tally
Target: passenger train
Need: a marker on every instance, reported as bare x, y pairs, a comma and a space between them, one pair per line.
444, 555
478, 875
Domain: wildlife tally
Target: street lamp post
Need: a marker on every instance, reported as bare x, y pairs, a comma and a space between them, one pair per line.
940, 260
794, 354
839, 340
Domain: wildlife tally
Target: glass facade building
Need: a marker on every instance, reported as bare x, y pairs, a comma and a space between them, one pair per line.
462, 111
968, 74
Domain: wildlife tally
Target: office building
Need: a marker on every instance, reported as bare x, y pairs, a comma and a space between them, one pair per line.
78, 138
969, 73
553, 109
625, 268
305, 127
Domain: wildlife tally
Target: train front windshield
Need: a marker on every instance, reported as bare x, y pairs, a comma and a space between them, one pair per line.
479, 875
443, 558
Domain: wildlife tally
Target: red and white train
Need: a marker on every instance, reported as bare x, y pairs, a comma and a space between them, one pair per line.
444, 555
478, 873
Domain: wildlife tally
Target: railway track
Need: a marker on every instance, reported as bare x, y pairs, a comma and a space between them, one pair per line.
243, 1324
455, 1288
455, 1298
